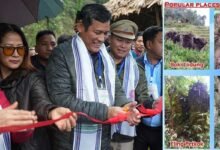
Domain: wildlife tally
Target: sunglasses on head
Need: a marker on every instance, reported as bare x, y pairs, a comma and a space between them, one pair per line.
9, 51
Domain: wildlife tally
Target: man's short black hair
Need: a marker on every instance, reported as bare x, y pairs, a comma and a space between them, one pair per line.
44, 32
92, 12
140, 33
150, 33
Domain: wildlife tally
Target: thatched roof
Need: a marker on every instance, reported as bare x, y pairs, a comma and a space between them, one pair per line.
125, 7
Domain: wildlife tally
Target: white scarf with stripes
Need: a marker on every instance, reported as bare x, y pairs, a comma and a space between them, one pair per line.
88, 136
5, 142
130, 81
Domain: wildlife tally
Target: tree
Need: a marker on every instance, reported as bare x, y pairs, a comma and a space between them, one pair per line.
183, 15
187, 102
62, 24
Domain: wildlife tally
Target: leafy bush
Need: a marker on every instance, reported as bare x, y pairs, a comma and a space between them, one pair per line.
177, 54
187, 110
198, 98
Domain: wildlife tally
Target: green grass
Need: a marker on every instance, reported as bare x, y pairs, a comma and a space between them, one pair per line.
200, 31
178, 55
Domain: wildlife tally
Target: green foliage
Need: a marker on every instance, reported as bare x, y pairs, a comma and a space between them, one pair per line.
199, 127
217, 110
183, 16
200, 31
101, 1
182, 122
177, 54
217, 136
198, 98
62, 24
170, 135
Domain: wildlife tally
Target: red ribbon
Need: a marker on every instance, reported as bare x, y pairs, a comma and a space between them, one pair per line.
119, 118
151, 112
35, 125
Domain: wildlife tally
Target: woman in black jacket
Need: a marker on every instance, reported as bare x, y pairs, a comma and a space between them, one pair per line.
19, 83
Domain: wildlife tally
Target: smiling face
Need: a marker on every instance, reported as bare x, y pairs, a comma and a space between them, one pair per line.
95, 35
120, 47
10, 63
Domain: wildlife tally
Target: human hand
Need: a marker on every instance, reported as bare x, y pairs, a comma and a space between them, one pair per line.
10, 116
134, 115
64, 124
157, 108
114, 111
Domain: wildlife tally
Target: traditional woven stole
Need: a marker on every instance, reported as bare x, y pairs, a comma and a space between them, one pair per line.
88, 136
5, 142
130, 81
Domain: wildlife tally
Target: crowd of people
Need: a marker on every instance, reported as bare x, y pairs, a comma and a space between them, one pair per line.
80, 73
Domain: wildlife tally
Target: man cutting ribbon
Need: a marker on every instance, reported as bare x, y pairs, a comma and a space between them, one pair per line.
81, 76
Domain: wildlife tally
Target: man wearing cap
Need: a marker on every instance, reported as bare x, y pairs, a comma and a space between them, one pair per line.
132, 78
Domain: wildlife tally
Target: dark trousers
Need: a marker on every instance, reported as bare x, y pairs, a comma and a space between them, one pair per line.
148, 137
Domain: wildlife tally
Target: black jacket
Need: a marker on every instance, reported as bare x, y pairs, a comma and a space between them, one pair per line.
35, 60
30, 92
61, 84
